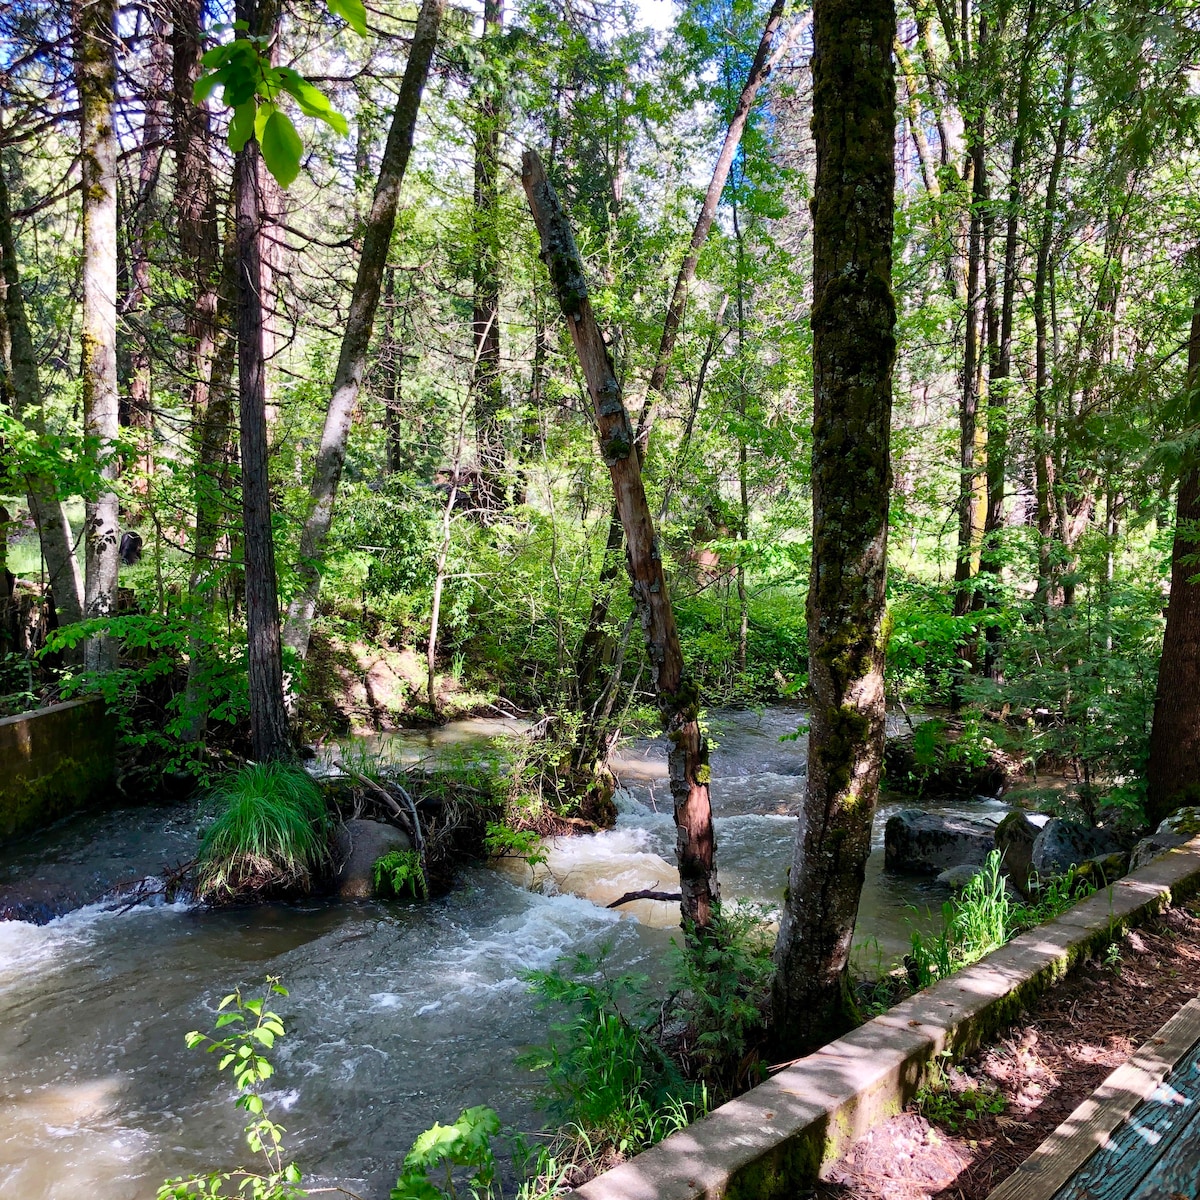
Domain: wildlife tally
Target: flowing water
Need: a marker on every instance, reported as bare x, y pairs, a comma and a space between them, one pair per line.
398, 1015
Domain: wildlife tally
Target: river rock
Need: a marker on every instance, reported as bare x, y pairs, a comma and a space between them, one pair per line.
958, 877
922, 843
360, 844
1184, 822
1102, 869
1015, 836
1180, 827
1065, 844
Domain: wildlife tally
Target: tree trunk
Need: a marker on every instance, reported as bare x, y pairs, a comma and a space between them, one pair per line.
212, 280
268, 716
595, 642
853, 318
393, 366
1000, 372
352, 361
1042, 449
136, 412
760, 68
20, 371
678, 698
1173, 770
488, 381
96, 81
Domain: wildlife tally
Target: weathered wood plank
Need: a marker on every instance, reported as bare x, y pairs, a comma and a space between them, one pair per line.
1091, 1126
1176, 1173
1133, 1152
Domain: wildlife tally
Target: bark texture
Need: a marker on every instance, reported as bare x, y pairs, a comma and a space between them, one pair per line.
364, 301
1173, 770
678, 699
268, 717
22, 389
96, 80
853, 317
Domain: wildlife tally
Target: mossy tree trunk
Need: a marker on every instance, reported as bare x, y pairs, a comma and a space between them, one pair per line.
853, 317
678, 698
96, 82
1173, 770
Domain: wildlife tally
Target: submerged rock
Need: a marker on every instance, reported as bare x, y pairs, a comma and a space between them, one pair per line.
360, 844
958, 877
924, 843
1065, 844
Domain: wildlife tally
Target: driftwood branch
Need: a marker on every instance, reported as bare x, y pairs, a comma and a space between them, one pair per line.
409, 820
644, 894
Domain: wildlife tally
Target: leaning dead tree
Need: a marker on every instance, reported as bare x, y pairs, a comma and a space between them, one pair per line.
677, 695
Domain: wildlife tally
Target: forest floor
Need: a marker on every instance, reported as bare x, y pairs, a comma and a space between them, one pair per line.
1042, 1068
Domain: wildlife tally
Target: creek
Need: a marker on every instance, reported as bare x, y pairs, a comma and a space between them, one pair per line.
398, 1015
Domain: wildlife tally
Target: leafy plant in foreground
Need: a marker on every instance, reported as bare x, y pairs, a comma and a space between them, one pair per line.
465, 1144
724, 984
252, 1029
609, 1082
271, 831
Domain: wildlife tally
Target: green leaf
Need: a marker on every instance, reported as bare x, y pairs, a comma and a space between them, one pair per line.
434, 1146
353, 12
216, 56
207, 84
312, 101
241, 126
281, 148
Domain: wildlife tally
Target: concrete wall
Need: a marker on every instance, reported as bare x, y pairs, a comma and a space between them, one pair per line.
772, 1142
53, 761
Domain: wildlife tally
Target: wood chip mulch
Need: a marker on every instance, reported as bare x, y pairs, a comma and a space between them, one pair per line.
1043, 1068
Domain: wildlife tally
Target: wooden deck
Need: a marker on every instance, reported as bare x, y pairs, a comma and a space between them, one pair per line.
1137, 1137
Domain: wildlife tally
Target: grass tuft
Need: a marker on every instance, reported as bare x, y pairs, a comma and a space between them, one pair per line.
271, 834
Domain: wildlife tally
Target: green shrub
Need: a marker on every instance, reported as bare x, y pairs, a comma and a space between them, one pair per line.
723, 982
270, 834
611, 1088
467, 1144
251, 1030
982, 918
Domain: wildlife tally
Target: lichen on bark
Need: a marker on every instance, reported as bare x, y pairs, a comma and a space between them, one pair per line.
853, 319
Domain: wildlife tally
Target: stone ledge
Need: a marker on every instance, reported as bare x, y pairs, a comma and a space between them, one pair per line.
772, 1141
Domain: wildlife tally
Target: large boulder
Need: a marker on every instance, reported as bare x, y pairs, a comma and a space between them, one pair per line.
360, 844
1015, 837
922, 843
1180, 827
1065, 844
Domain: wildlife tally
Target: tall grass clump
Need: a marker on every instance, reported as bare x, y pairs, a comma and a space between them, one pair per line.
270, 834
983, 917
